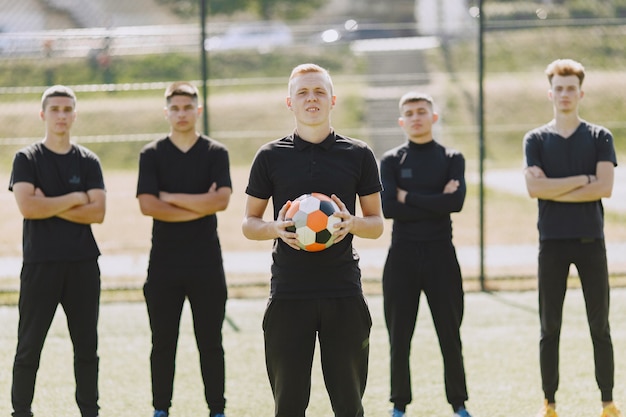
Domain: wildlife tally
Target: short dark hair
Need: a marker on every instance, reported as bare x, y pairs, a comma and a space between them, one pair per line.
57, 91
564, 68
181, 88
414, 96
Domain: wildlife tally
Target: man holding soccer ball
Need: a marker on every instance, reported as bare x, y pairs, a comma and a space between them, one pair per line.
315, 294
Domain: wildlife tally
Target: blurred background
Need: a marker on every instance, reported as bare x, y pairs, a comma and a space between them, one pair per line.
483, 62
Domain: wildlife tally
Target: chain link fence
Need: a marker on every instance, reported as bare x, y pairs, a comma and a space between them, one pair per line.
120, 72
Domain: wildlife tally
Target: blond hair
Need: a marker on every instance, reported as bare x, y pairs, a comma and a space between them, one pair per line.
564, 68
306, 69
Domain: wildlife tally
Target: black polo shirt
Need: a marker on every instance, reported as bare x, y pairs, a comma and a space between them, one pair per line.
560, 157
289, 167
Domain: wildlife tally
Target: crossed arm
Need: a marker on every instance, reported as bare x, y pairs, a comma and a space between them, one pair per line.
573, 189
450, 188
180, 207
78, 207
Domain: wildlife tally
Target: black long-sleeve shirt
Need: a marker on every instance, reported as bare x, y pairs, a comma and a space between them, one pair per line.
423, 170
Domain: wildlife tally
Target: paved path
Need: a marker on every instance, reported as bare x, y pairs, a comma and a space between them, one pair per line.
520, 258
512, 181
497, 257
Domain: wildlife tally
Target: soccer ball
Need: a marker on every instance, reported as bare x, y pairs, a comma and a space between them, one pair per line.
314, 220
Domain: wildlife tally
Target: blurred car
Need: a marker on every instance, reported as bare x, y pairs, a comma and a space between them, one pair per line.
262, 36
20, 44
351, 30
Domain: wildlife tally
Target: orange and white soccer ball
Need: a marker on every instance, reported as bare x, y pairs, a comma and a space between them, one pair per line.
314, 221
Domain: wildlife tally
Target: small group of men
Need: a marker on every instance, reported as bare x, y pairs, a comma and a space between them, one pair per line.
184, 180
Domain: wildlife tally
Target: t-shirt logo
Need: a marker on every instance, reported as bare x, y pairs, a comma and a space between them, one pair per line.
406, 173
75, 180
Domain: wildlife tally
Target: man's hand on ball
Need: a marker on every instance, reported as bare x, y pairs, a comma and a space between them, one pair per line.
281, 225
347, 220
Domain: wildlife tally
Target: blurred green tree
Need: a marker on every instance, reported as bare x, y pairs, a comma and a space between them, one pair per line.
265, 9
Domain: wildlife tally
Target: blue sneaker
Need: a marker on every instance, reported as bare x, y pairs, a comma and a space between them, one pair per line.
462, 412
397, 413
160, 413
219, 415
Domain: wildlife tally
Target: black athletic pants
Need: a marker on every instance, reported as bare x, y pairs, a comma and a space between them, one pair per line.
165, 292
342, 326
431, 267
589, 257
43, 286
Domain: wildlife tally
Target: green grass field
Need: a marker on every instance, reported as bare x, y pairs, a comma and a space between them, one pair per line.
500, 336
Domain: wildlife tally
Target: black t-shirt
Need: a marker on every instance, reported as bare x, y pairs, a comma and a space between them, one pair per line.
422, 170
559, 157
289, 167
164, 167
56, 239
